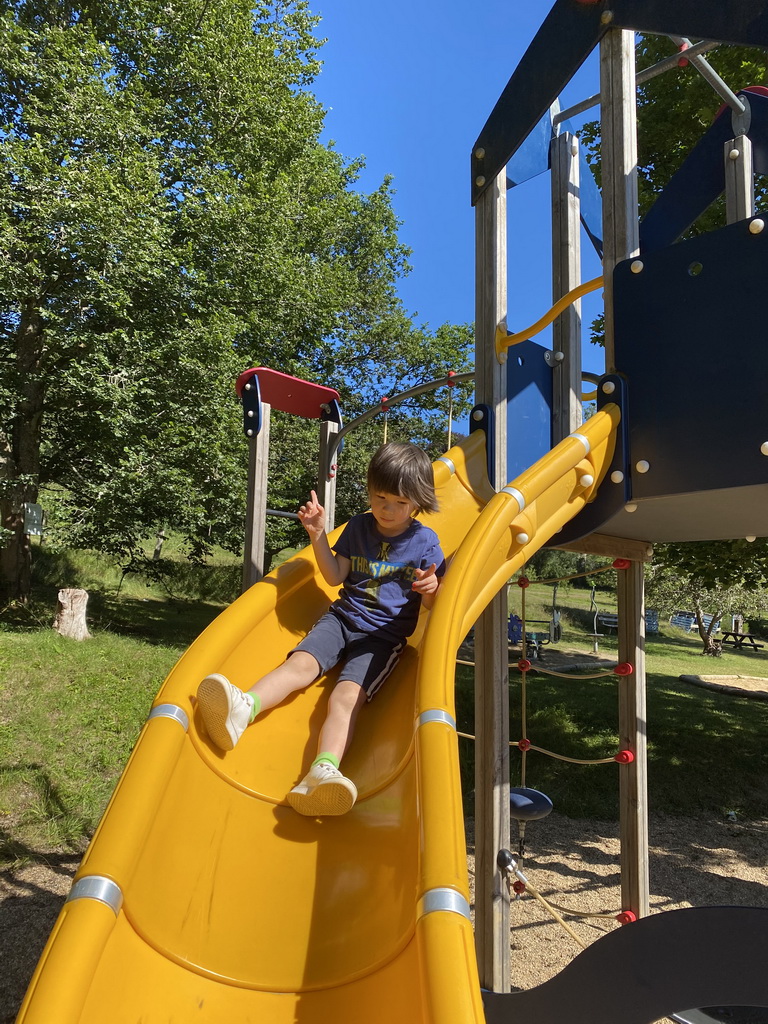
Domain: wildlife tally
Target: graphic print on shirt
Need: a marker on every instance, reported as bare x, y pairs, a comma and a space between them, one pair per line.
379, 572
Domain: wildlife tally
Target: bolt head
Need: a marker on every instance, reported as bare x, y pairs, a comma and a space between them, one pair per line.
617, 476
636, 266
756, 226
642, 466
480, 180
608, 387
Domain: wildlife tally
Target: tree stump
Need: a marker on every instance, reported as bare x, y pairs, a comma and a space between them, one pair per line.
70, 614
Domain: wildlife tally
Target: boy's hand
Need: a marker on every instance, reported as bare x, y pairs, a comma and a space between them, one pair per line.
426, 581
312, 517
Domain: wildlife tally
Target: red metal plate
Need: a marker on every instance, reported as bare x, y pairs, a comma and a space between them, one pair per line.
289, 394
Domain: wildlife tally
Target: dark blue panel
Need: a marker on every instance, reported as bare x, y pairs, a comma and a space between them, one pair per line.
701, 178
690, 335
529, 406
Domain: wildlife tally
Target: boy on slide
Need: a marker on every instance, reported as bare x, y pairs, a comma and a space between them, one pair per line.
387, 563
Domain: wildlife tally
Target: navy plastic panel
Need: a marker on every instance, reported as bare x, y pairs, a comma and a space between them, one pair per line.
529, 406
690, 335
701, 178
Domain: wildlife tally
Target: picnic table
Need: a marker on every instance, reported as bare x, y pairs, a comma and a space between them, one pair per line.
741, 641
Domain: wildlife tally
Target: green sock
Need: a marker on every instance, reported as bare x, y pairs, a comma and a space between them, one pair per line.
256, 706
330, 758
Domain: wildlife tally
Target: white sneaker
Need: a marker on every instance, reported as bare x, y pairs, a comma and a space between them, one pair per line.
225, 709
323, 790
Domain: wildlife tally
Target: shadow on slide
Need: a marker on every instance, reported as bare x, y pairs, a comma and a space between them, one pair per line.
203, 896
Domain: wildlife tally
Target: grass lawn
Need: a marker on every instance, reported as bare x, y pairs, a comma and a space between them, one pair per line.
70, 712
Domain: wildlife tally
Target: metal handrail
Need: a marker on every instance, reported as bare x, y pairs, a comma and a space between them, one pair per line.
386, 403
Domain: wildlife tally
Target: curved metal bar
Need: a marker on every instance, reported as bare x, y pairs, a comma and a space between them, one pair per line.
504, 340
420, 389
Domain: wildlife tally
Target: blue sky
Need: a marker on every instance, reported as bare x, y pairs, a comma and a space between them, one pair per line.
408, 86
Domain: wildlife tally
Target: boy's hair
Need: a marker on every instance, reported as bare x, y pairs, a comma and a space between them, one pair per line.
403, 468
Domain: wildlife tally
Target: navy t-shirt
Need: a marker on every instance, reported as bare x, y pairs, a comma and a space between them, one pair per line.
376, 596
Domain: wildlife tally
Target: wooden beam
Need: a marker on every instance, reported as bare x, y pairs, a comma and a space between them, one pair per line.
739, 179
491, 672
566, 275
633, 800
256, 502
621, 241
611, 547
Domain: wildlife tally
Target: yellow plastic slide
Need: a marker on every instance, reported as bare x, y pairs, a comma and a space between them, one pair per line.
203, 896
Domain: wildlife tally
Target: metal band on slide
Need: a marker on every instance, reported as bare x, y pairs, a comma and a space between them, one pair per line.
443, 899
516, 495
580, 437
436, 715
97, 887
170, 711
449, 463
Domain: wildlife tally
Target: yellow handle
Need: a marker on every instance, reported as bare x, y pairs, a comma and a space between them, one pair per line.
504, 340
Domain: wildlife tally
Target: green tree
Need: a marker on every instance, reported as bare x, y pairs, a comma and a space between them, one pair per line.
168, 217
712, 578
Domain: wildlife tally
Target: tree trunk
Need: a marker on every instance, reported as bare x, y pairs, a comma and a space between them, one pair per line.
70, 614
20, 457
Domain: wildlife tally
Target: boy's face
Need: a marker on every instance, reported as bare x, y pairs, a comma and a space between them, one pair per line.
392, 512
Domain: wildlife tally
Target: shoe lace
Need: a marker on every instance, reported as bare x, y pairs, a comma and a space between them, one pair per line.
327, 770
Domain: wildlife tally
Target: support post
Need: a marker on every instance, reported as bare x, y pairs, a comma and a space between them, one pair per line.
618, 155
256, 502
491, 672
621, 241
632, 736
566, 274
326, 476
739, 179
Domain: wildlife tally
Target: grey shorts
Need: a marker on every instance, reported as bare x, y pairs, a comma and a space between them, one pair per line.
364, 659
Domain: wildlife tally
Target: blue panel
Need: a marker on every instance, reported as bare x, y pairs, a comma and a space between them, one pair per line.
529, 407
533, 156
701, 178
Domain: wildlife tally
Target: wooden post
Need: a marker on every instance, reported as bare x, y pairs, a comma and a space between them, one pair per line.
633, 785
618, 157
566, 274
491, 672
621, 241
70, 614
326, 475
739, 180
256, 502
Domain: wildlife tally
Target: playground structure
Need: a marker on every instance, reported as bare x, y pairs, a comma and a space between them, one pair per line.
159, 924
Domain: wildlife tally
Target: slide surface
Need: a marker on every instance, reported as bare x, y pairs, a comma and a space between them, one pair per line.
203, 896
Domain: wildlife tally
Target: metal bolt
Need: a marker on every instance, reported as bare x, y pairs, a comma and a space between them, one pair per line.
734, 154
477, 415
764, 447
751, 539
636, 266
249, 433
247, 387
586, 480
630, 507
606, 17
522, 538
642, 466
480, 180
617, 476
479, 153
608, 388
250, 414
756, 226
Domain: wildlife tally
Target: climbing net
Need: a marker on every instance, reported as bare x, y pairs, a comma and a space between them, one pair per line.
527, 804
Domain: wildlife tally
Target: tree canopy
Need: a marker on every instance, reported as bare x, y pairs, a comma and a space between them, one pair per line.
169, 217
